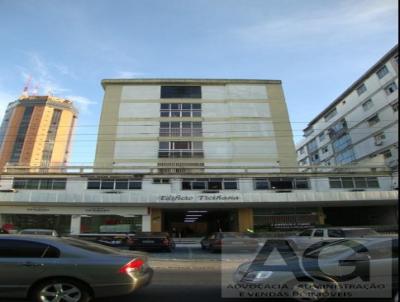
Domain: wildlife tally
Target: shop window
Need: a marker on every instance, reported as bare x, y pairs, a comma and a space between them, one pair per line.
161, 180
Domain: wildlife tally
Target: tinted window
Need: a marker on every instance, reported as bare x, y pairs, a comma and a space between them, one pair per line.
306, 233
319, 233
168, 92
335, 233
10, 248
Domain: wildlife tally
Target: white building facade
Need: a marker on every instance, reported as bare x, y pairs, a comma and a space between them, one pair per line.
360, 124
191, 157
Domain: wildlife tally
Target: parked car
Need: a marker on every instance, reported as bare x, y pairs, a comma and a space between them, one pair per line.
229, 241
151, 241
310, 236
45, 232
42, 268
380, 253
117, 240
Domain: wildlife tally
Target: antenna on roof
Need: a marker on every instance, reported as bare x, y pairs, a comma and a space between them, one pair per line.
25, 92
36, 89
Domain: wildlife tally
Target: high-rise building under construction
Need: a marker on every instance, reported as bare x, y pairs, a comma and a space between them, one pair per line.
36, 132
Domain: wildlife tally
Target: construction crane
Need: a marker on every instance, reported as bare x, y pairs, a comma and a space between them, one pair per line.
25, 92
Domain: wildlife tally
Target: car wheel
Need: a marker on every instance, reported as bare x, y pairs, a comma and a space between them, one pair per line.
62, 290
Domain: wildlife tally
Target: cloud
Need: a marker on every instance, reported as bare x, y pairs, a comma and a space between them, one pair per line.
344, 21
81, 102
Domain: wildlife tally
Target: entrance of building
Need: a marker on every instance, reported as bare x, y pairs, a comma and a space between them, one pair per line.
199, 222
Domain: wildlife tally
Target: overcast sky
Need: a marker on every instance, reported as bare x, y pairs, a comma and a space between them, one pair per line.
316, 47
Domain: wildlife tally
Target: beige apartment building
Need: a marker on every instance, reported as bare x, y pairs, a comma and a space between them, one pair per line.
36, 132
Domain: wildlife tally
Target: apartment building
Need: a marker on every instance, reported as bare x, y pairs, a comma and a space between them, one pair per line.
191, 157
360, 124
36, 132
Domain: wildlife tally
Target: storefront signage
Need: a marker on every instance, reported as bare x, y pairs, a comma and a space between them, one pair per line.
97, 210
201, 197
38, 210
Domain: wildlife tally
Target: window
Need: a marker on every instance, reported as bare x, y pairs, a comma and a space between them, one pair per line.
306, 233
379, 138
382, 72
337, 129
261, 184
373, 120
40, 183
301, 150
10, 248
330, 114
345, 157
335, 233
324, 149
175, 92
361, 89
114, 184
180, 129
367, 105
353, 182
387, 154
312, 146
180, 110
318, 233
161, 180
178, 149
321, 136
210, 184
392, 87
342, 143
395, 106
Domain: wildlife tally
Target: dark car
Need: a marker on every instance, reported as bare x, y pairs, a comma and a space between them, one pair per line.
151, 241
45, 268
375, 260
229, 241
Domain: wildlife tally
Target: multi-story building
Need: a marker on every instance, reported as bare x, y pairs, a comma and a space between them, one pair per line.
360, 124
192, 157
36, 132
200, 124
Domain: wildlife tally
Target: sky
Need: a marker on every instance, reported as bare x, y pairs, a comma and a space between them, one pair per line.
316, 47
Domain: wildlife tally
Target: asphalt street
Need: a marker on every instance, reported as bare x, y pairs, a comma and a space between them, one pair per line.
188, 274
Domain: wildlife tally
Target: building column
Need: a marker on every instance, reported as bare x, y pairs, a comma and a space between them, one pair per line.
245, 219
156, 220
146, 223
75, 224
321, 216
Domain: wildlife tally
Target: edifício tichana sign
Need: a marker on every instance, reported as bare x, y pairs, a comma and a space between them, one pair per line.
200, 197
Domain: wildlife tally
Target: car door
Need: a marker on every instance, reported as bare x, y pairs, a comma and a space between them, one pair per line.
21, 263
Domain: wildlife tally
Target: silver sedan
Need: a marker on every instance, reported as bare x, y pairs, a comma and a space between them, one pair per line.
51, 269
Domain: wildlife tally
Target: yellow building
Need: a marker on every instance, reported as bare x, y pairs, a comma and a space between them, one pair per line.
36, 131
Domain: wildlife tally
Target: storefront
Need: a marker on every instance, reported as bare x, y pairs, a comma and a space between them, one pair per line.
76, 219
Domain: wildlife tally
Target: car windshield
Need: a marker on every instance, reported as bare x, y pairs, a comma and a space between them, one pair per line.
335, 248
89, 246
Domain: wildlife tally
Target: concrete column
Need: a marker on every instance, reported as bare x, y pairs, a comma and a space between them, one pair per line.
75, 224
245, 219
156, 220
321, 216
146, 223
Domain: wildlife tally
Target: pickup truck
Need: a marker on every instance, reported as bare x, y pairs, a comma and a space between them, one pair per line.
310, 236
